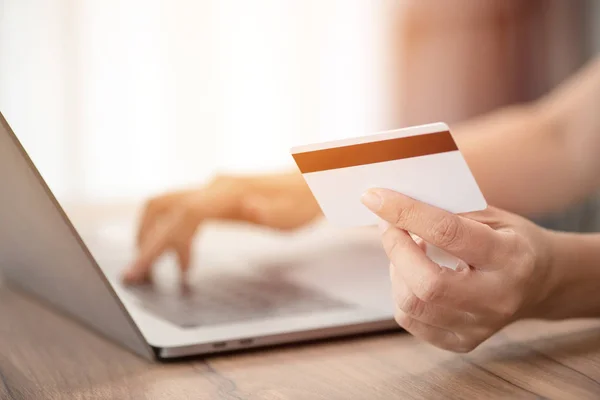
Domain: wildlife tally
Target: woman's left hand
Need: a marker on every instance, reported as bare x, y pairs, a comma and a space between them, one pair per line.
505, 274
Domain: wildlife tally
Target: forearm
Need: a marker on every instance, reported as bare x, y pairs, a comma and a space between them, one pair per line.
574, 275
516, 166
539, 158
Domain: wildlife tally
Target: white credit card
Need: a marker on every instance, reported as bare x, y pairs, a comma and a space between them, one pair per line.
422, 162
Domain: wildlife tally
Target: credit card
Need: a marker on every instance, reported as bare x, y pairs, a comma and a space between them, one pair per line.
422, 162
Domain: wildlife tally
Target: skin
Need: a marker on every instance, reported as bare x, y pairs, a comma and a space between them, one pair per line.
511, 268
503, 275
551, 144
169, 222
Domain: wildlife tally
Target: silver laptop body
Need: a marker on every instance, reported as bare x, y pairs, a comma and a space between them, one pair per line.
250, 287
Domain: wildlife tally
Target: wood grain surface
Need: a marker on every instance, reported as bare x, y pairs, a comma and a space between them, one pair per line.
44, 355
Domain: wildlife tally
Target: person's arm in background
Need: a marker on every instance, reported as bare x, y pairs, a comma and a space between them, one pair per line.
527, 159
541, 157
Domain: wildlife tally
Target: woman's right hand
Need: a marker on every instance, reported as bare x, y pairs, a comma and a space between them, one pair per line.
169, 222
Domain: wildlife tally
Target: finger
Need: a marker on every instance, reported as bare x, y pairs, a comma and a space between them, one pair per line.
152, 248
424, 246
435, 315
438, 337
184, 256
152, 211
475, 243
219, 201
190, 209
428, 281
420, 242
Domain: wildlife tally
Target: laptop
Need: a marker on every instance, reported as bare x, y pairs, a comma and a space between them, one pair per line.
270, 288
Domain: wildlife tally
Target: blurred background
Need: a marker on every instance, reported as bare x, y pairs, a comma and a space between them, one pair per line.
122, 99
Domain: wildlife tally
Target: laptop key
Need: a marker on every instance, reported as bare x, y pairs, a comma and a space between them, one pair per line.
230, 299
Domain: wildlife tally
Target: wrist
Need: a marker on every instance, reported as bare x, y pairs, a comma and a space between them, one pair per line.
545, 284
551, 306
572, 275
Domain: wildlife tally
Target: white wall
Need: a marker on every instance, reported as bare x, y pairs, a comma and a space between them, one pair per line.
33, 81
125, 98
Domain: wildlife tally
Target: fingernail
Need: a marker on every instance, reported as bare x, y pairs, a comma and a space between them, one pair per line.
461, 266
383, 226
372, 200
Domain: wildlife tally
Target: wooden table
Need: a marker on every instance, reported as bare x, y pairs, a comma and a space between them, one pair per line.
44, 355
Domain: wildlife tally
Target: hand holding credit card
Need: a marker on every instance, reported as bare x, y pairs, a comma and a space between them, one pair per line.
422, 162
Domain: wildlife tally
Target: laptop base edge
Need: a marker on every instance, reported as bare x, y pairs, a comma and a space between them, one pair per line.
263, 342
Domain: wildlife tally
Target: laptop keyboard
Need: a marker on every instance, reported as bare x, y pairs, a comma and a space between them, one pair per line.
226, 299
